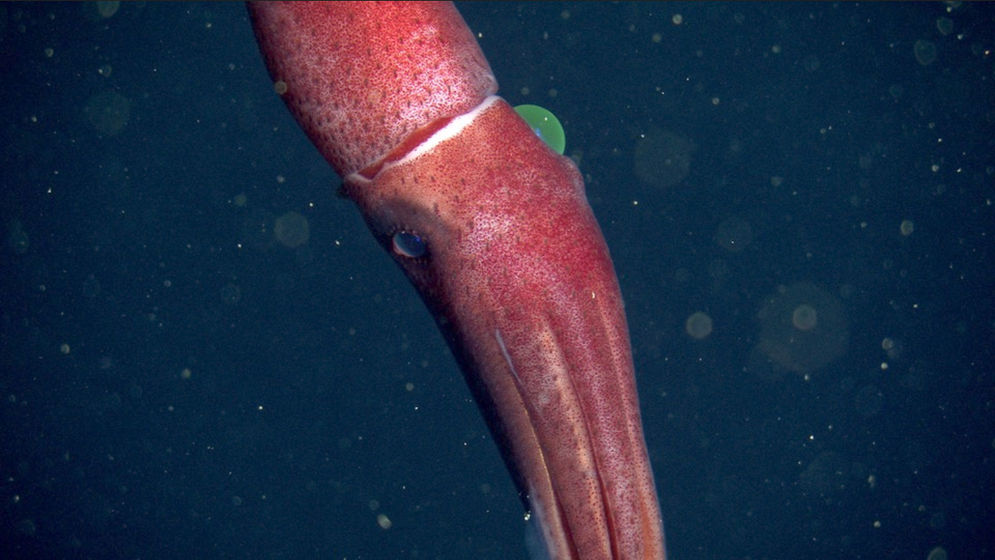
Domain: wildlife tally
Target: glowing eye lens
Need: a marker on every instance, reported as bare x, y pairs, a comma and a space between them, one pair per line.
409, 245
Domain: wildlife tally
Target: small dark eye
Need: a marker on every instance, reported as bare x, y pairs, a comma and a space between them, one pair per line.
408, 244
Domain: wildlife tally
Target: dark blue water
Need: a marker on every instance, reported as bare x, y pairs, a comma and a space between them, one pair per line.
186, 372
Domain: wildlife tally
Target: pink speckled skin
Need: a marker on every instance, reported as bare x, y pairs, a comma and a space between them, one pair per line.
362, 76
516, 270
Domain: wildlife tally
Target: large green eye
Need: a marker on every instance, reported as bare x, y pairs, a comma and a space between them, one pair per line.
545, 125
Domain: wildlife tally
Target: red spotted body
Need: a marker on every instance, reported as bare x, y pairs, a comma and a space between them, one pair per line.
509, 259
360, 77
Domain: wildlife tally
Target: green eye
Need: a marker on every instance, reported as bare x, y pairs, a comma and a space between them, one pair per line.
545, 125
